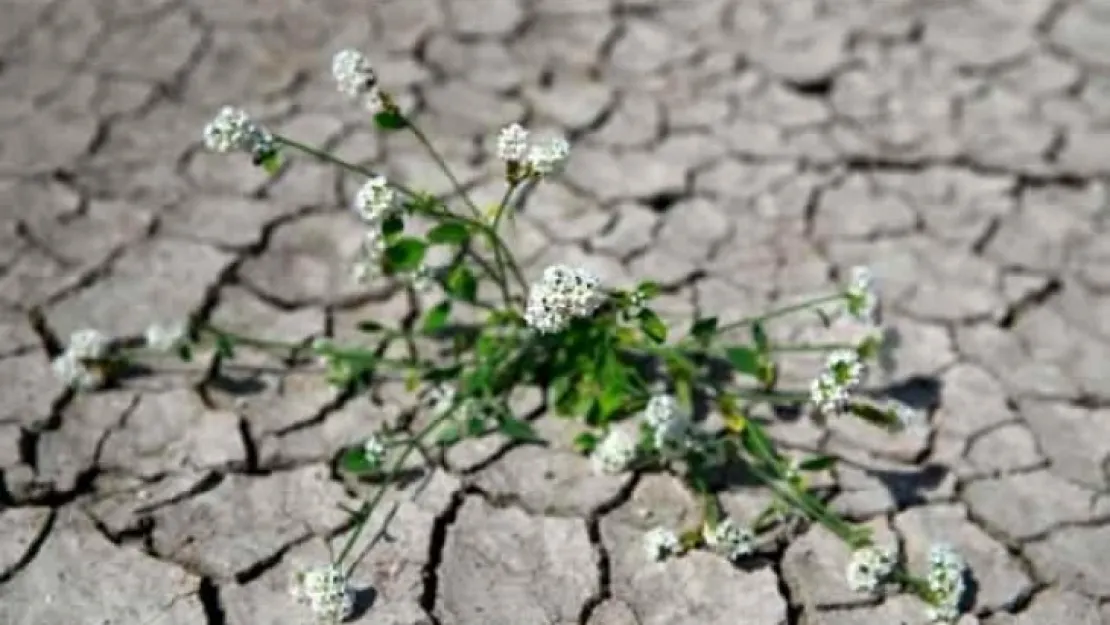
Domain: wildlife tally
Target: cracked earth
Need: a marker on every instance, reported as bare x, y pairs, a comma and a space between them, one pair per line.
744, 152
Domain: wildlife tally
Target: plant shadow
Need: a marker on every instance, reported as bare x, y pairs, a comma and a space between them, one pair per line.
364, 599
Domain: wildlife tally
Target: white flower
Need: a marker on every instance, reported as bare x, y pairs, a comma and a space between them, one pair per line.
846, 368
233, 130
562, 295
374, 450
676, 436
660, 543
368, 261
422, 279
869, 568
614, 454
353, 74
832, 388
76, 374
861, 299
375, 200
512, 143
946, 579
325, 592
549, 157
729, 539
441, 398
76, 366
88, 345
165, 338
829, 397
660, 409
228, 130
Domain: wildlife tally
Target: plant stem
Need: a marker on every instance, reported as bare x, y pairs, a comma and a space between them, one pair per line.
367, 508
810, 347
780, 312
498, 259
335, 160
773, 397
814, 509
240, 339
442, 164
490, 233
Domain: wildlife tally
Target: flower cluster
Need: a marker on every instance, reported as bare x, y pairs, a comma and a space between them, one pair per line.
374, 450
355, 78
233, 130
540, 159
325, 592
869, 568
563, 294
368, 260
729, 539
615, 453
375, 201
661, 543
672, 429
166, 337
861, 301
832, 389
947, 571
78, 366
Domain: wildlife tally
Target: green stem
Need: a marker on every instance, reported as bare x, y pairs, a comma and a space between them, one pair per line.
809, 505
240, 339
363, 171
367, 508
442, 164
489, 233
810, 347
497, 257
915, 584
773, 397
335, 160
780, 312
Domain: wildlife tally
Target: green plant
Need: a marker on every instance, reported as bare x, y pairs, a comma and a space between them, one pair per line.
601, 354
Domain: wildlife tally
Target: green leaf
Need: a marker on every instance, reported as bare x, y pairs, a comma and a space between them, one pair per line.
614, 386
185, 353
756, 442
448, 434
585, 442
271, 162
874, 414
759, 335
745, 360
648, 289
436, 318
563, 394
225, 348
817, 463
475, 426
405, 254
518, 430
390, 120
369, 326
462, 284
653, 326
704, 329
392, 225
354, 461
449, 233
